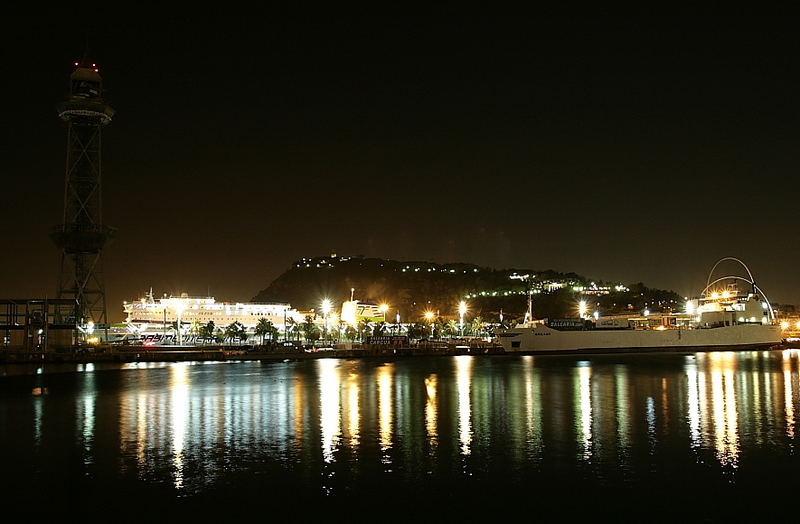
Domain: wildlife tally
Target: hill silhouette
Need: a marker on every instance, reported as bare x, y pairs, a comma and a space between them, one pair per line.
411, 288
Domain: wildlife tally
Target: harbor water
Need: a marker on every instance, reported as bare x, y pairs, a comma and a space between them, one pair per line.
706, 437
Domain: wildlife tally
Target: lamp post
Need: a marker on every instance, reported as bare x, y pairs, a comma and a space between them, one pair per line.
383, 308
462, 308
178, 310
326, 308
429, 318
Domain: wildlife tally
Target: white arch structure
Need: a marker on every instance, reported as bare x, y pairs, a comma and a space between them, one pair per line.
750, 281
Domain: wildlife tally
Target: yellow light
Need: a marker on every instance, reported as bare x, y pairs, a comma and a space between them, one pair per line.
726, 294
383, 308
691, 307
784, 325
326, 306
462, 308
714, 295
582, 308
428, 315
661, 328
92, 340
797, 324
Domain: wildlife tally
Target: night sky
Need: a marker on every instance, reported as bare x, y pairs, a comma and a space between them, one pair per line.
621, 149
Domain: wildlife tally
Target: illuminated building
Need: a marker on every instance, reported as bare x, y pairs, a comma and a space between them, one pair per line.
150, 315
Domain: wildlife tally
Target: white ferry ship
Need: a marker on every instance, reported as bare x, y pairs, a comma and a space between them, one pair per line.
723, 317
153, 317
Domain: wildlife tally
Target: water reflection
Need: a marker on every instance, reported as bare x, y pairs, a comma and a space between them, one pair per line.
723, 407
191, 425
180, 409
533, 406
584, 409
622, 406
85, 409
384, 378
329, 405
353, 414
463, 383
694, 381
787, 393
431, 385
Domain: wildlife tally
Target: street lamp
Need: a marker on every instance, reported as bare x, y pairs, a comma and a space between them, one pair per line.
462, 308
429, 318
326, 308
383, 308
179, 306
582, 309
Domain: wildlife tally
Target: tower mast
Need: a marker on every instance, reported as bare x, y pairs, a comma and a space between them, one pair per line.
81, 236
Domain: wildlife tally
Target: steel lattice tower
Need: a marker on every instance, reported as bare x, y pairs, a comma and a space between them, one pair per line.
82, 235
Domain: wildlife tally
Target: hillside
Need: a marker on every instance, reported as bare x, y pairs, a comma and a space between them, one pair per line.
415, 287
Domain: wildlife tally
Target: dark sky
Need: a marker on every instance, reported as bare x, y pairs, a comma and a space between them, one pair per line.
624, 149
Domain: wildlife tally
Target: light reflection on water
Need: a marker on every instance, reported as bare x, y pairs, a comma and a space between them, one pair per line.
330, 424
464, 383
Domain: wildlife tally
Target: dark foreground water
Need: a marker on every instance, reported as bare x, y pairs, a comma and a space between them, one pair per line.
682, 437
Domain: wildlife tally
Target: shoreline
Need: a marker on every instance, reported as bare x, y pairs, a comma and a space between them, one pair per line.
9, 357
229, 354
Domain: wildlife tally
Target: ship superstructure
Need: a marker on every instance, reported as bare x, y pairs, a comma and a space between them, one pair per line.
154, 315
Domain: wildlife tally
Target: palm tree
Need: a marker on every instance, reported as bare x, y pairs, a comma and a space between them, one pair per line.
451, 328
289, 326
310, 330
363, 328
264, 328
236, 330
417, 330
207, 332
476, 326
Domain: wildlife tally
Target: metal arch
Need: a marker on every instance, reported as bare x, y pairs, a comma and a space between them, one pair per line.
736, 277
767, 300
721, 260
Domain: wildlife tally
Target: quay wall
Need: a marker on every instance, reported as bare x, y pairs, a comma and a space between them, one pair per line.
231, 353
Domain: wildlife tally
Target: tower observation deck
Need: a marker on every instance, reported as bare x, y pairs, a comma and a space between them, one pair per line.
82, 235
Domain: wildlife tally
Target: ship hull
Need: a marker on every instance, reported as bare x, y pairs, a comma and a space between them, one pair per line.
544, 339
